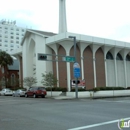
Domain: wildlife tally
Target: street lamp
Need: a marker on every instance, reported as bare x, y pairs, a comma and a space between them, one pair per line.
76, 79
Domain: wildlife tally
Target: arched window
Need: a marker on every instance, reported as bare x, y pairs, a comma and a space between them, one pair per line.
128, 57
109, 56
12, 79
3, 81
119, 57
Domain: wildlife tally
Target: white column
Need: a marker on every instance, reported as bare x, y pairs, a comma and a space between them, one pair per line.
94, 69
116, 71
106, 71
68, 73
125, 73
57, 72
62, 16
82, 67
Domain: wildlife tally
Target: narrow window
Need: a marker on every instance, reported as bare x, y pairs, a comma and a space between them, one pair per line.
128, 57
109, 56
119, 57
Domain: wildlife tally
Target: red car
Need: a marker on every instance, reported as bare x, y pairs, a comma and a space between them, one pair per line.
35, 92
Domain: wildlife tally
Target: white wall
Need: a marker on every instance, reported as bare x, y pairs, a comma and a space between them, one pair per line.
120, 73
128, 73
31, 50
111, 73
25, 59
40, 65
49, 63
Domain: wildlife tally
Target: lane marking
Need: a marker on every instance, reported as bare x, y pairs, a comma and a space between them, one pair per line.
98, 124
119, 101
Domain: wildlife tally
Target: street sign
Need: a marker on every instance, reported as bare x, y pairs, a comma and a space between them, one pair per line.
69, 59
76, 70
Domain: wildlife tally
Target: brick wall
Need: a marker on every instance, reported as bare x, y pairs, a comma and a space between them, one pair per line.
88, 68
100, 68
62, 69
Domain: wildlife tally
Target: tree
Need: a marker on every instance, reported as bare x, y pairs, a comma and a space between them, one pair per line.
29, 81
49, 80
5, 60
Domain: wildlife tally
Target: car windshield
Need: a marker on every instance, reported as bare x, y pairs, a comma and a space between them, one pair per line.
41, 88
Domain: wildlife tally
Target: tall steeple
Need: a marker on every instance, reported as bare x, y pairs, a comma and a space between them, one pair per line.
62, 16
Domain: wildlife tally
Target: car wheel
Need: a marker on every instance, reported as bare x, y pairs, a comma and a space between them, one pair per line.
26, 95
34, 96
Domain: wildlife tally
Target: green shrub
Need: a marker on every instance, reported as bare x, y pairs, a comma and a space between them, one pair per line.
56, 89
64, 89
48, 89
107, 88
96, 89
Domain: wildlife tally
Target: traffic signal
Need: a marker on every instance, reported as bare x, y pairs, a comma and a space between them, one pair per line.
76, 82
42, 57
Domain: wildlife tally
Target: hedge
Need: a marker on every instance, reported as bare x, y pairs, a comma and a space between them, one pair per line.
56, 89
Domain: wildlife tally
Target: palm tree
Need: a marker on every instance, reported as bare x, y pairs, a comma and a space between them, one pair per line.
5, 60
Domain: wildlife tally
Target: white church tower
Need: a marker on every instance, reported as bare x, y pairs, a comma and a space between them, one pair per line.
62, 16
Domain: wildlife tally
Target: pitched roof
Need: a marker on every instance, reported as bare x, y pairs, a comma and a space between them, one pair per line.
43, 32
38, 32
15, 65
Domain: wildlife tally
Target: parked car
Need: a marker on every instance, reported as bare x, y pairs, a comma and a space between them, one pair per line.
19, 93
36, 91
6, 91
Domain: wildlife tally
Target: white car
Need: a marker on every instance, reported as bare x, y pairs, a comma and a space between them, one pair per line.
19, 93
6, 91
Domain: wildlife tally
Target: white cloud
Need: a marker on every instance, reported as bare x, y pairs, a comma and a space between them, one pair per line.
103, 18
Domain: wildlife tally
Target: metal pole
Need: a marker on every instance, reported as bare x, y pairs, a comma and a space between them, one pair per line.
75, 55
76, 79
75, 49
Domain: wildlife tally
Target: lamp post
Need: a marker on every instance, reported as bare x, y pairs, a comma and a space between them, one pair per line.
75, 55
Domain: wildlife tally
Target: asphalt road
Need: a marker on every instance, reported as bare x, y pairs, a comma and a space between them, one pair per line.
19, 113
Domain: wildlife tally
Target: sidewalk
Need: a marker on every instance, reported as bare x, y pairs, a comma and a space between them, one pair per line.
63, 98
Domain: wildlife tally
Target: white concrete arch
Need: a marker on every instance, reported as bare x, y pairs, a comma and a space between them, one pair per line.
82, 47
105, 50
67, 45
31, 56
114, 52
94, 48
55, 48
30, 38
124, 53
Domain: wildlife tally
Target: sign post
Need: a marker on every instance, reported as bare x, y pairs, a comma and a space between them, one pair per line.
76, 70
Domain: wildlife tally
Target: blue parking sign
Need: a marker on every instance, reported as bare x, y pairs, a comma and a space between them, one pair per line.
76, 70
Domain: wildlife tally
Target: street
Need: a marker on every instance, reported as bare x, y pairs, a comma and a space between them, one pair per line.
20, 113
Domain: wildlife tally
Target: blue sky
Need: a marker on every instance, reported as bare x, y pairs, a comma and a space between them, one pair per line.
101, 18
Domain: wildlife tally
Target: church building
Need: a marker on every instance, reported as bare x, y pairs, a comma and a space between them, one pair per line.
103, 62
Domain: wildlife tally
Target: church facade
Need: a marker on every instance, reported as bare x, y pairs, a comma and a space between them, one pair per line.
103, 62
